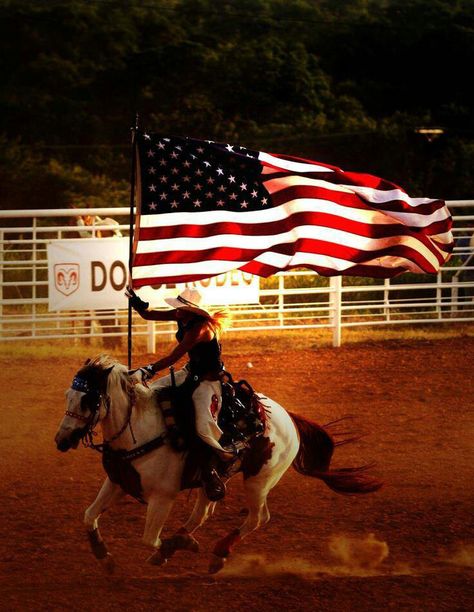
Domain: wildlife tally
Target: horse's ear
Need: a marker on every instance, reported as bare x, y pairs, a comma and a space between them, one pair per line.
87, 361
108, 370
104, 376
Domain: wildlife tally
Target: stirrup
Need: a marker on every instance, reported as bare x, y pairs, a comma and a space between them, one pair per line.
213, 486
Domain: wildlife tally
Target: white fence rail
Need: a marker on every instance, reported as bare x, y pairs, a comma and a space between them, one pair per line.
289, 300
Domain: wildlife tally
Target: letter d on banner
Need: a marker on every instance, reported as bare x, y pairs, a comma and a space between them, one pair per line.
98, 271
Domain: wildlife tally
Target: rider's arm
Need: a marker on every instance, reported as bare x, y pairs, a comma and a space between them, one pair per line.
142, 308
158, 315
191, 338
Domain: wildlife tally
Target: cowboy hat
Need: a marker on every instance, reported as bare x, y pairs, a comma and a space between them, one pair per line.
188, 299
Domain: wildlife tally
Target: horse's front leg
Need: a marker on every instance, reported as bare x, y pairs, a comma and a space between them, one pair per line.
183, 538
159, 506
108, 495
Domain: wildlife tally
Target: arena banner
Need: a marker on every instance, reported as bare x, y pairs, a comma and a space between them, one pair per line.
92, 273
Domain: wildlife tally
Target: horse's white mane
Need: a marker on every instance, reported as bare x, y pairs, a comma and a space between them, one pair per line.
103, 361
119, 380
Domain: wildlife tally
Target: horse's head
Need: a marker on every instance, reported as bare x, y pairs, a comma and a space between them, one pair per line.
87, 402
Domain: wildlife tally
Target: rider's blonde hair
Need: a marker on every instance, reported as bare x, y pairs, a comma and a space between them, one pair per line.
219, 321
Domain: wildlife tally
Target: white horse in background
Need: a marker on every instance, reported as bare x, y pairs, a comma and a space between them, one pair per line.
133, 427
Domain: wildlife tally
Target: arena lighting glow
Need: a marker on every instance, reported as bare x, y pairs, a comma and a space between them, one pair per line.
429, 133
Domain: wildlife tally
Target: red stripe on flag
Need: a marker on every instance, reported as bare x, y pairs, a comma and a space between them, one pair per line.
288, 224
302, 246
351, 200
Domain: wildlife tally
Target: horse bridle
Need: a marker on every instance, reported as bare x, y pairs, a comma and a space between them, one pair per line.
97, 399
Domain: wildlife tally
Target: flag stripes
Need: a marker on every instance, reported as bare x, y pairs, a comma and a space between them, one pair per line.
207, 208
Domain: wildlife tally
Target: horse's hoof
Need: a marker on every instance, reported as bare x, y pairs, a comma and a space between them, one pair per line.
216, 564
108, 563
157, 558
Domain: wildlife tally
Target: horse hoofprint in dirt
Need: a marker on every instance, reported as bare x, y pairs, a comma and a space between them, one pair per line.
103, 392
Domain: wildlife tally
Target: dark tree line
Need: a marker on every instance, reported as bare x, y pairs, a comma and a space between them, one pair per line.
346, 82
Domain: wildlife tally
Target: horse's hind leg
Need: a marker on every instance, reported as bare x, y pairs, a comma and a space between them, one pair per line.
258, 515
201, 511
108, 495
183, 538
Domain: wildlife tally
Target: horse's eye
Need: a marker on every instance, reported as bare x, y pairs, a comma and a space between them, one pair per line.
85, 401
90, 401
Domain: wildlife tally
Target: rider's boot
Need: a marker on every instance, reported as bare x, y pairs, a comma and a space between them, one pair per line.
213, 485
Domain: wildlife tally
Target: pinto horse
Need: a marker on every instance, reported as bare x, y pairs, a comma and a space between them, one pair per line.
103, 392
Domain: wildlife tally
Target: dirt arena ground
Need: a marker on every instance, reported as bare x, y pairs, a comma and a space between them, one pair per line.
408, 547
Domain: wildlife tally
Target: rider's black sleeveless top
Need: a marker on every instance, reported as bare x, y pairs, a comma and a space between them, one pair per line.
205, 357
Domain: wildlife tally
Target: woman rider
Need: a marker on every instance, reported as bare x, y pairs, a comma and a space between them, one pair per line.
198, 336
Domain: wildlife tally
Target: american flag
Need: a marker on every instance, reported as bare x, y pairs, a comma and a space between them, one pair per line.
205, 208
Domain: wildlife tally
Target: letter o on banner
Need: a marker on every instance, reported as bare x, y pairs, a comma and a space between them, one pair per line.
118, 285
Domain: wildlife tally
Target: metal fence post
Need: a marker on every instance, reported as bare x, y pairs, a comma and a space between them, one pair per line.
386, 298
281, 300
439, 295
336, 306
2, 255
34, 277
151, 337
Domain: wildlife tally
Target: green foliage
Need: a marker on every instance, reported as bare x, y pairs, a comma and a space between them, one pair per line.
342, 81
31, 179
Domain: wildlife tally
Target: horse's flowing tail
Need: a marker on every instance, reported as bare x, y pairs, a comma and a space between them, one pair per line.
314, 457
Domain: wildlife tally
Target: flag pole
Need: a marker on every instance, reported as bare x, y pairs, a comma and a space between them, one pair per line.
130, 245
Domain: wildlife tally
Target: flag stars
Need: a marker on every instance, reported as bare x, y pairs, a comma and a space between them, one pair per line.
146, 136
151, 153
192, 177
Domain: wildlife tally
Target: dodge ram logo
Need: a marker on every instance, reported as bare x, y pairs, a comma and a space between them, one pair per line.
66, 277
